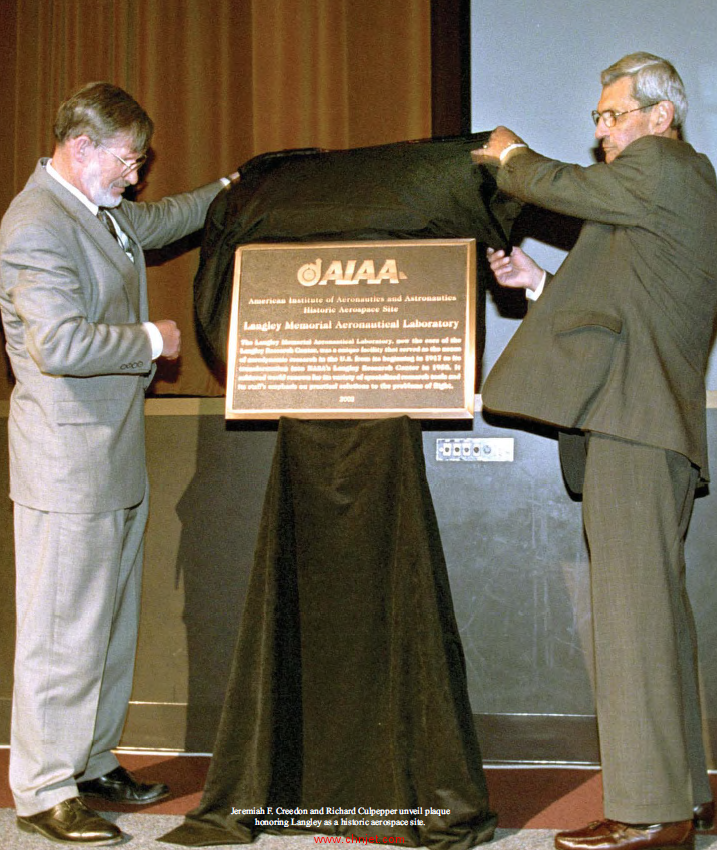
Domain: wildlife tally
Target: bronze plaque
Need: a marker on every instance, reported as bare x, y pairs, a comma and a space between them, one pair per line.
353, 330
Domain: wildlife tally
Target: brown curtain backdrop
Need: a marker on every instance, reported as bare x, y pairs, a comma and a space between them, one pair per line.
223, 80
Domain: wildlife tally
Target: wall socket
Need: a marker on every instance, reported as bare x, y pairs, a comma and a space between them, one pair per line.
475, 448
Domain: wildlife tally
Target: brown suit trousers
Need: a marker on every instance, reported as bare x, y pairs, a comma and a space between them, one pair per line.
650, 730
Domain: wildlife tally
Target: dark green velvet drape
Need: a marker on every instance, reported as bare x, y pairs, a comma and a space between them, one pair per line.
348, 685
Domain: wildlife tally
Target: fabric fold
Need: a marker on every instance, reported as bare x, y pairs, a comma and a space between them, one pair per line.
348, 687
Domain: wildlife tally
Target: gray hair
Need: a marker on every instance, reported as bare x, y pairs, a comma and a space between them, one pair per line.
103, 111
653, 79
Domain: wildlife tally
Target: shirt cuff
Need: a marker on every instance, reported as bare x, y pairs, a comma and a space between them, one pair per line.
510, 148
534, 294
155, 338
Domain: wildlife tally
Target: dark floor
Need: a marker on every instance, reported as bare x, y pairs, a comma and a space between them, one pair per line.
532, 803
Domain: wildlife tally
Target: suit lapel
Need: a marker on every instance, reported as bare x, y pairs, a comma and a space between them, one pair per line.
96, 231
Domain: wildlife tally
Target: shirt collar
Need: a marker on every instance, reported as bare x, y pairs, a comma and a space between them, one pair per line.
75, 191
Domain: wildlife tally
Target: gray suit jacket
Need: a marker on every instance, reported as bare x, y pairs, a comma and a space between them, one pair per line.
72, 304
619, 340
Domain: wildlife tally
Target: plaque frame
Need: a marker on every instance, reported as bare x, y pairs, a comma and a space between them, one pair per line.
453, 320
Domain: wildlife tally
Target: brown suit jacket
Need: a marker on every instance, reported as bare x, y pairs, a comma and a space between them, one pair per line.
618, 342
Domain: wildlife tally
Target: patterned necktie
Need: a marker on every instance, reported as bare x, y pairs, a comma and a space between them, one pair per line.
120, 237
106, 219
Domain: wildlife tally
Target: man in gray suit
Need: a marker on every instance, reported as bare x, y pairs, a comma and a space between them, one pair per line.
614, 353
73, 296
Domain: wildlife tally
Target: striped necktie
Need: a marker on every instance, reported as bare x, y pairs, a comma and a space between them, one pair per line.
121, 237
106, 219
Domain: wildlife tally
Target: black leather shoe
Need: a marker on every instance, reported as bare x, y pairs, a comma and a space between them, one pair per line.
119, 786
704, 816
72, 822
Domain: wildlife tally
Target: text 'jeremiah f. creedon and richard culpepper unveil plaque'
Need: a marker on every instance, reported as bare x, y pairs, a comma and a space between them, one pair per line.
349, 330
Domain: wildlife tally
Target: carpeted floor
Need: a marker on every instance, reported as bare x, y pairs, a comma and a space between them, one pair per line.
532, 804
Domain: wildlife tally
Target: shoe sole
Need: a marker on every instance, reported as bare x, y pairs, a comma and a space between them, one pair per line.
688, 845
102, 842
673, 847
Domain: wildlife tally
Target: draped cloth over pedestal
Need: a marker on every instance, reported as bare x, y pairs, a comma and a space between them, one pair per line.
426, 189
348, 685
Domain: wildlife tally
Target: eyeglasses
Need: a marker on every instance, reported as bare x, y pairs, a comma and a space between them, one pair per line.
129, 167
609, 116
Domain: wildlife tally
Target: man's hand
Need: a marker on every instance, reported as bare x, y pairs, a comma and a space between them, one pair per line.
516, 270
171, 337
499, 139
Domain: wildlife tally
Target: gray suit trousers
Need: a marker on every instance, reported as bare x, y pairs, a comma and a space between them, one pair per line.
78, 591
637, 502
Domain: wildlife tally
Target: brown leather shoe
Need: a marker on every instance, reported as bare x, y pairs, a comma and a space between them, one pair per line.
72, 822
703, 816
119, 786
613, 835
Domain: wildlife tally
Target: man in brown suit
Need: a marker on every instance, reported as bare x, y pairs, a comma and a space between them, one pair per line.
614, 352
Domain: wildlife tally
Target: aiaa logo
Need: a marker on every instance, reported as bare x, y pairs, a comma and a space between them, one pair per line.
310, 273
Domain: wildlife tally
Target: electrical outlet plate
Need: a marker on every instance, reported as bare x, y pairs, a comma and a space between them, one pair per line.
474, 449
